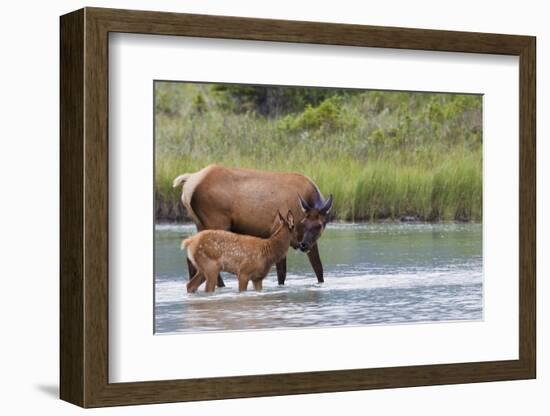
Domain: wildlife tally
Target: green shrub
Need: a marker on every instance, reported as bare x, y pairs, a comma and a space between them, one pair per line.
330, 115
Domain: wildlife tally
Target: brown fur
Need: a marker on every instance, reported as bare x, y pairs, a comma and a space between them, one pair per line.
248, 257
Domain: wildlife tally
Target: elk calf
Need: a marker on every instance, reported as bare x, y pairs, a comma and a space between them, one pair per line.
250, 258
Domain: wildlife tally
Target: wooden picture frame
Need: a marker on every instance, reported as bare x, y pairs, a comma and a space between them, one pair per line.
84, 207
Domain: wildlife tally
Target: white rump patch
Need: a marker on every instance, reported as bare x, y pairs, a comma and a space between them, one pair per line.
190, 182
180, 180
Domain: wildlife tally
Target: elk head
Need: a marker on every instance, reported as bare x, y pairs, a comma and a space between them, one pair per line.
314, 222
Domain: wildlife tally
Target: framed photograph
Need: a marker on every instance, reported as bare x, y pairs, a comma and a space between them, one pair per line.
257, 207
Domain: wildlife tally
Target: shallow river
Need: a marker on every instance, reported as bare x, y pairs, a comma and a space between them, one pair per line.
374, 274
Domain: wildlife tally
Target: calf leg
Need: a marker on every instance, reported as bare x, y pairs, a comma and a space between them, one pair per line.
214, 221
195, 282
210, 283
315, 260
243, 283
281, 271
193, 272
192, 269
258, 285
210, 271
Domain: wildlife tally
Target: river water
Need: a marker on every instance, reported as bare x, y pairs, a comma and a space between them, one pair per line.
374, 274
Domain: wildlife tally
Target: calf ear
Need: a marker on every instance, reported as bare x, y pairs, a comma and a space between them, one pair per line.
327, 206
290, 218
303, 204
280, 217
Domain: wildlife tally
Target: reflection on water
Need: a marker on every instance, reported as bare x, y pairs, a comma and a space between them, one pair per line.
374, 274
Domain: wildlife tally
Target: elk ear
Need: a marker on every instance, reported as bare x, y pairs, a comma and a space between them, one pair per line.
303, 204
280, 217
290, 219
327, 206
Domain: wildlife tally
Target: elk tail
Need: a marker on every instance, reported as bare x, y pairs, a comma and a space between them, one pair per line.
180, 180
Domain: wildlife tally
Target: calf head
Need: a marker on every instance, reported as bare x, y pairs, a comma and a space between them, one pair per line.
310, 228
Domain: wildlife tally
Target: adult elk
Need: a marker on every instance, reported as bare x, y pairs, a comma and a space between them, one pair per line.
244, 200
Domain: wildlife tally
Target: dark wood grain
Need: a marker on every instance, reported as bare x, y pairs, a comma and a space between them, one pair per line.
84, 207
71, 100
226, 27
527, 208
96, 220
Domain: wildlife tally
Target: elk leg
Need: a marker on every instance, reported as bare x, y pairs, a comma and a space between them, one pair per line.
281, 271
315, 260
220, 282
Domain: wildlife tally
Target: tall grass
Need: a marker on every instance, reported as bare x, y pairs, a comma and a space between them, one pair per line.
381, 154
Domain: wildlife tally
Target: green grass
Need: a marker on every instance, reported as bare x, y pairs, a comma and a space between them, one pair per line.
381, 154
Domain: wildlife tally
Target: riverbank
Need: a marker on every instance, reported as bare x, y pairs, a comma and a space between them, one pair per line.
185, 222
